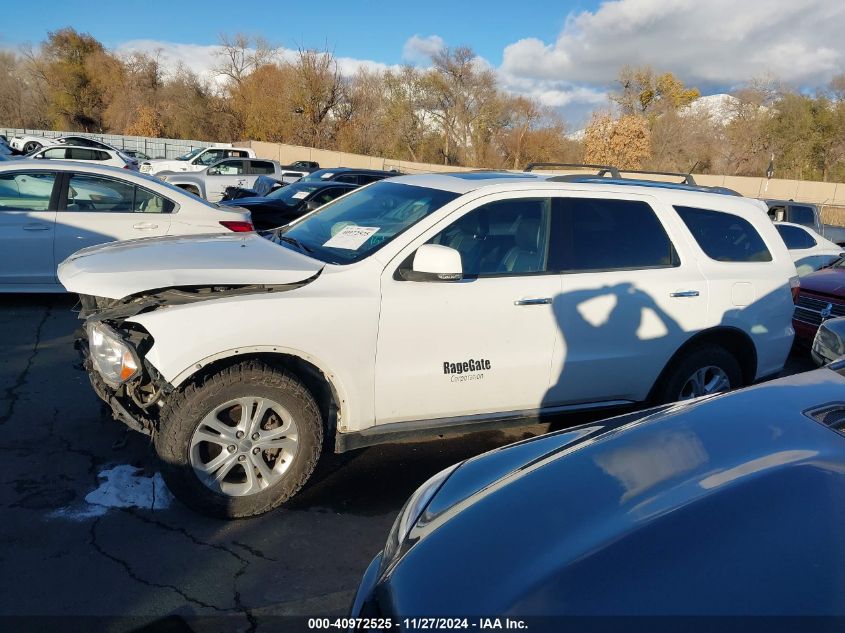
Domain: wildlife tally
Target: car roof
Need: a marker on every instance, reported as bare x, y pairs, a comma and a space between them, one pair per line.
65, 146
346, 170
652, 183
80, 167
465, 182
781, 201
323, 184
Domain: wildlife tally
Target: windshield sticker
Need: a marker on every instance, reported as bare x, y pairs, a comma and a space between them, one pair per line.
299, 195
351, 237
327, 175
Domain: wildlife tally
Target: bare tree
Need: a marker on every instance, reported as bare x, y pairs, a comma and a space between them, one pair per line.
241, 55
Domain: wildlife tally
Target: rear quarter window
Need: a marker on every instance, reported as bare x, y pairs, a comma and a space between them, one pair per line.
800, 214
723, 236
795, 238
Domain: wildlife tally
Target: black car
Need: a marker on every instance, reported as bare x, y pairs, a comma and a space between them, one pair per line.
723, 506
349, 175
290, 202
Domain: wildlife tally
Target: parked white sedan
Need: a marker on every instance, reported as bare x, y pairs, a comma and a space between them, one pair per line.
109, 157
809, 250
51, 209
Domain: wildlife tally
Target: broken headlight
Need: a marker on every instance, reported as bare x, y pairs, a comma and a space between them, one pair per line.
114, 358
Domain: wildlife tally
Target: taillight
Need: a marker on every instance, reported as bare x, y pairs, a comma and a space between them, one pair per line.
238, 226
794, 286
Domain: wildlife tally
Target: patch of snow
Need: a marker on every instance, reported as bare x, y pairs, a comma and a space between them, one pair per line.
577, 135
122, 486
721, 108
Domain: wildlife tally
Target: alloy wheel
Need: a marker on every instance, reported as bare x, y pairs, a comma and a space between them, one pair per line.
244, 446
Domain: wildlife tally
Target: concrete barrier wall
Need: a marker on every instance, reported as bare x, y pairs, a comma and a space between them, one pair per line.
800, 190
328, 158
823, 193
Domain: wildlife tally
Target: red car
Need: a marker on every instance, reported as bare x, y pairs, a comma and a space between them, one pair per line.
820, 297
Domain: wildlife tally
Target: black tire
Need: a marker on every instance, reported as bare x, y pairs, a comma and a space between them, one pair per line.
31, 146
184, 411
677, 374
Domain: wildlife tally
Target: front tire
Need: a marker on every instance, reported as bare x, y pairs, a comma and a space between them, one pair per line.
31, 146
240, 442
703, 370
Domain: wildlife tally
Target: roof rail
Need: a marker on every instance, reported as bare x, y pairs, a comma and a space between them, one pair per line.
687, 179
603, 169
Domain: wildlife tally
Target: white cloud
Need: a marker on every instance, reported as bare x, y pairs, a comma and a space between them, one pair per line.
717, 42
418, 50
202, 59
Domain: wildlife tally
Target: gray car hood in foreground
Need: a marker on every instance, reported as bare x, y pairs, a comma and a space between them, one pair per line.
121, 269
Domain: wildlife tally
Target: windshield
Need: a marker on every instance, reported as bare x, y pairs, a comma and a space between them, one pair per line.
292, 194
358, 224
190, 154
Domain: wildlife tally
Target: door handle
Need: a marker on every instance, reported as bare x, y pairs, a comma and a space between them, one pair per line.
685, 293
36, 227
533, 302
141, 226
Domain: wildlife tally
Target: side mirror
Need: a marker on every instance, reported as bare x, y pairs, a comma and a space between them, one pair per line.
312, 205
433, 262
213, 171
829, 344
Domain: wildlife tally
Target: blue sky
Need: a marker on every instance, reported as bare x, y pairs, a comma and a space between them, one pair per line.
564, 54
367, 29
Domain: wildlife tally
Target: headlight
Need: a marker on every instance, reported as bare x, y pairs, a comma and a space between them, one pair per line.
410, 514
113, 357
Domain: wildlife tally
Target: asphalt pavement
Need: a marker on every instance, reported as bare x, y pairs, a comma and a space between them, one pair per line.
61, 556
83, 566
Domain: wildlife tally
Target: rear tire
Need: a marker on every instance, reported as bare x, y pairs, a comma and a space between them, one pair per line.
706, 362
191, 414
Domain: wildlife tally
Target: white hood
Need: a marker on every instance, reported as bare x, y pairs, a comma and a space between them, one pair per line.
120, 269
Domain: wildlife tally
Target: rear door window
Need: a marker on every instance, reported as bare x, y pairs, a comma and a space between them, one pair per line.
82, 153
26, 191
795, 238
596, 234
800, 214
724, 237
263, 167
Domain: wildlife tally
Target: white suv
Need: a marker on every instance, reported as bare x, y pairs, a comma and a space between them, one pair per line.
423, 306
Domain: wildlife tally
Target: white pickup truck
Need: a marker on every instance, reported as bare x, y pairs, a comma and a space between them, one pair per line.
211, 182
425, 305
196, 159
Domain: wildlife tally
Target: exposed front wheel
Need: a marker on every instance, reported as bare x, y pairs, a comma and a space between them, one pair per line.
30, 147
240, 442
704, 370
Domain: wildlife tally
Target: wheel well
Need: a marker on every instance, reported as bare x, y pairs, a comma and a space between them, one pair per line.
309, 374
732, 339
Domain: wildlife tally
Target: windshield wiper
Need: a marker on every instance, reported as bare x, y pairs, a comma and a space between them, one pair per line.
295, 242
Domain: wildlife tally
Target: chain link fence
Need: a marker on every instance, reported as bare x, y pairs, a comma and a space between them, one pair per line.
833, 214
152, 147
